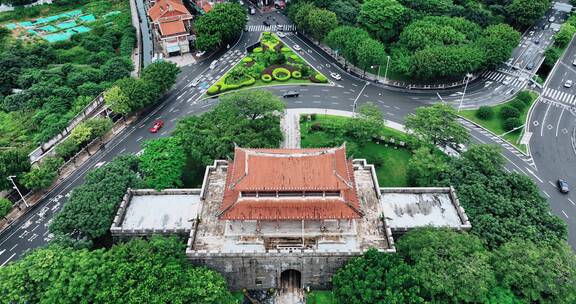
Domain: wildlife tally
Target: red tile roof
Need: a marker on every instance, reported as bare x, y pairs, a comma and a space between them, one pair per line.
304, 170
167, 8
172, 28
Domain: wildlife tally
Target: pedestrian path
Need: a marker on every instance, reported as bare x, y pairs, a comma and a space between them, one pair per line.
560, 96
270, 28
500, 77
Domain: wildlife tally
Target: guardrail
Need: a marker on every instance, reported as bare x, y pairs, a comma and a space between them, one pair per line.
87, 112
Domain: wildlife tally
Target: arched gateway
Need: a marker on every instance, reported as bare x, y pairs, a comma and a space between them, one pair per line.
290, 279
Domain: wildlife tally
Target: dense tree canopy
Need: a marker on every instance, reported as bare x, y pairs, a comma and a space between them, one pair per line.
381, 18
443, 266
12, 162
437, 125
246, 118
224, 22
154, 271
525, 12
86, 218
162, 163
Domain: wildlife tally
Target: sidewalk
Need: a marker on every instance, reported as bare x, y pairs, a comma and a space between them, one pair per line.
67, 170
290, 124
182, 60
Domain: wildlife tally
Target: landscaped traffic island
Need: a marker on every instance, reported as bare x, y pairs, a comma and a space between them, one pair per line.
271, 63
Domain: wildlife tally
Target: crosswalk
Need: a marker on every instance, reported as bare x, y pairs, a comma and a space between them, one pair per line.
557, 95
500, 77
271, 28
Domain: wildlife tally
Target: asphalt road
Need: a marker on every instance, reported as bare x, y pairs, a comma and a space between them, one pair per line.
184, 99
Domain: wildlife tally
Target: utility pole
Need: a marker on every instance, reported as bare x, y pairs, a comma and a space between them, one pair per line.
467, 77
386, 71
378, 75
11, 178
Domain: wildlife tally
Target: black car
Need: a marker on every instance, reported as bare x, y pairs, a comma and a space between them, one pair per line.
563, 186
530, 66
291, 94
266, 23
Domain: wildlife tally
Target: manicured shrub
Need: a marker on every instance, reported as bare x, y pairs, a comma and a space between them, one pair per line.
509, 111
511, 123
318, 78
285, 49
294, 57
485, 112
281, 74
524, 96
296, 75
213, 90
257, 50
248, 82
518, 104
266, 78
247, 59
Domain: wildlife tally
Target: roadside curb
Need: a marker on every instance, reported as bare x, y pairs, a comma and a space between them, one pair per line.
501, 138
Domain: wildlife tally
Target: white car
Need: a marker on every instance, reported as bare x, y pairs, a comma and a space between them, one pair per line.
507, 80
297, 47
568, 84
280, 34
335, 76
213, 64
200, 53
195, 82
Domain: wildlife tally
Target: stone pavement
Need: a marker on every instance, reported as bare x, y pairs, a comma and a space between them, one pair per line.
291, 296
290, 124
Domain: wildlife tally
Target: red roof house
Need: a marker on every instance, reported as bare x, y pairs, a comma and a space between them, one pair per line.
171, 19
290, 184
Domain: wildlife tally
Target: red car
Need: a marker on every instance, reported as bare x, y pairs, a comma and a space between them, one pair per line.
157, 125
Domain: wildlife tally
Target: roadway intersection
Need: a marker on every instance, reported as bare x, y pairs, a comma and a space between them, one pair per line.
553, 154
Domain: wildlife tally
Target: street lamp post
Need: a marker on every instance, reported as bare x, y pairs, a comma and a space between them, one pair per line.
11, 178
378, 75
467, 77
386, 71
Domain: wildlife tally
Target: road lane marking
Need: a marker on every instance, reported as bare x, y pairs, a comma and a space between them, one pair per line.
13, 247
566, 215
559, 119
571, 201
140, 138
546, 193
530, 171
544, 119
8, 260
551, 183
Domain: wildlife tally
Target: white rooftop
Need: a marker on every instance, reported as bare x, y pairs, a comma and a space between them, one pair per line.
409, 210
161, 211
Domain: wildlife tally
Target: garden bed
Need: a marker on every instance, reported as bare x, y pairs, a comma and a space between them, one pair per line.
390, 159
495, 122
271, 63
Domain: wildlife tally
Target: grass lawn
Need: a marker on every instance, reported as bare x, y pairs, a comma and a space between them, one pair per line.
495, 123
320, 297
392, 172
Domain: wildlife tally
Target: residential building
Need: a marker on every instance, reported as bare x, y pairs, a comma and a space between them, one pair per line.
172, 26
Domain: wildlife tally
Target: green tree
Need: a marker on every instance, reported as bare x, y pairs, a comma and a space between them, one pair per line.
498, 41
368, 122
438, 125
118, 101
537, 274
451, 62
116, 68
426, 167
12, 162
154, 271
246, 118
381, 18
99, 126
565, 34
438, 31
320, 22
81, 134
370, 52
526, 12
346, 11
139, 92
5, 207
162, 163
221, 24
86, 218
430, 7
67, 148
162, 74
345, 39
301, 15
44, 175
